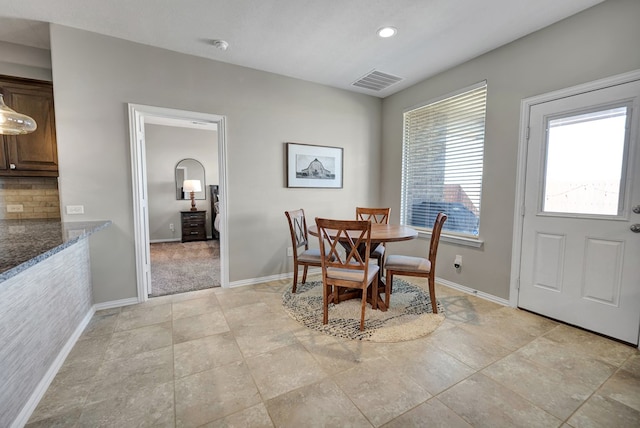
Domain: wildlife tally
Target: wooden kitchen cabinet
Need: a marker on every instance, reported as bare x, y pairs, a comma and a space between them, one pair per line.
34, 154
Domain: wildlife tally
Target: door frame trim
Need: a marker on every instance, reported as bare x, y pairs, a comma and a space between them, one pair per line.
137, 115
521, 169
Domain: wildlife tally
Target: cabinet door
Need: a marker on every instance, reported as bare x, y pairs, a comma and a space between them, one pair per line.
33, 154
4, 163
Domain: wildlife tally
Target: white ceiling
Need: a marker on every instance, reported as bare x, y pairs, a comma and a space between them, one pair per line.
332, 42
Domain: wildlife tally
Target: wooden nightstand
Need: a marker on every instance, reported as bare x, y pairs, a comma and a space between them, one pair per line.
193, 225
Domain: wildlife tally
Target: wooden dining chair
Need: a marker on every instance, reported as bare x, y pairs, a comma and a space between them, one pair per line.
345, 246
417, 266
300, 239
380, 216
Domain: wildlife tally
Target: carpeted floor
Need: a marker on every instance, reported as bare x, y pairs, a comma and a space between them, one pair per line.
408, 317
178, 267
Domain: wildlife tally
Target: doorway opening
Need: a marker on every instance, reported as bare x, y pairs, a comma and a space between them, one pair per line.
185, 251
139, 115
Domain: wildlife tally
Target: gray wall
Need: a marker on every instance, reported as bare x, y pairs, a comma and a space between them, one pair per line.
96, 76
599, 42
25, 61
165, 147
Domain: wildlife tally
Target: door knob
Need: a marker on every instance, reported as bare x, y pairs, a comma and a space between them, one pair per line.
635, 228
636, 209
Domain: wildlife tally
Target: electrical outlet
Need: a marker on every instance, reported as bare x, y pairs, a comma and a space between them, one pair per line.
457, 263
75, 209
289, 251
171, 228
17, 208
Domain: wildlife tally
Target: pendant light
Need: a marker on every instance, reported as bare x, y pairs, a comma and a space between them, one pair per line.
14, 123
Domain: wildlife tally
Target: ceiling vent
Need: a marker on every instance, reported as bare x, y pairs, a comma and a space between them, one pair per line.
376, 81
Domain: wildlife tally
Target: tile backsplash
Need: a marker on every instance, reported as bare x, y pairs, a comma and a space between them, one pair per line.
39, 197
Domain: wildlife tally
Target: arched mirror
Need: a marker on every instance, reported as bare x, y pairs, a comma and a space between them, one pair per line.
189, 169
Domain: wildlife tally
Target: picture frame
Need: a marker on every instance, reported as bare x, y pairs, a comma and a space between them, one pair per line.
314, 166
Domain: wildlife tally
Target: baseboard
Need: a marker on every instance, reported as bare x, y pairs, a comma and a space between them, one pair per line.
252, 281
278, 277
160, 241
41, 389
116, 303
468, 290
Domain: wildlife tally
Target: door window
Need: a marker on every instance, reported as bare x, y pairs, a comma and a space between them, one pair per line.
585, 163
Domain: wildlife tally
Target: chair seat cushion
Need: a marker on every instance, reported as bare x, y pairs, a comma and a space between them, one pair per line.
378, 252
408, 264
352, 275
312, 255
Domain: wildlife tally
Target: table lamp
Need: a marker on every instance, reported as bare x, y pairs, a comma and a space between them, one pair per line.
192, 186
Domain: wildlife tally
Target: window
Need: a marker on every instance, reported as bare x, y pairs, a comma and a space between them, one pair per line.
443, 145
593, 143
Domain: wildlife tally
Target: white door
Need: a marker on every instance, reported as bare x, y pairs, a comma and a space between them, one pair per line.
580, 259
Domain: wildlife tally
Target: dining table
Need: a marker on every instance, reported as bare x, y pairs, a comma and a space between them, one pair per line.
380, 233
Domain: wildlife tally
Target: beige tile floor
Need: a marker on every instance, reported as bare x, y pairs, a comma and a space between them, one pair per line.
233, 358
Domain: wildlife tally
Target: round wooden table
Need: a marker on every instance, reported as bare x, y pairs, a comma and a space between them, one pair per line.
382, 233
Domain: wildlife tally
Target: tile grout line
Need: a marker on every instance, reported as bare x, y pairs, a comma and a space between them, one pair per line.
618, 369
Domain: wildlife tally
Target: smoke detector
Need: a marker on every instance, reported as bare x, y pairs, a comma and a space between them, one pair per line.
220, 44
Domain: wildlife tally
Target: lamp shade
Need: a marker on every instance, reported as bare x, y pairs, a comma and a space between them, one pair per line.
191, 186
14, 123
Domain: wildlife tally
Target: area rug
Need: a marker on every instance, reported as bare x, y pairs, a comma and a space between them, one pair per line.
409, 316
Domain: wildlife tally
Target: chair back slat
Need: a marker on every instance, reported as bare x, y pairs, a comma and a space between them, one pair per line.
334, 247
346, 241
435, 238
375, 215
298, 228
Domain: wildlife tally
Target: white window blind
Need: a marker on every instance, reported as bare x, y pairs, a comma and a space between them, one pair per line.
443, 147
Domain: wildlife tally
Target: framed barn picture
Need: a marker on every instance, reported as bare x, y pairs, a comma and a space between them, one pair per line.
314, 166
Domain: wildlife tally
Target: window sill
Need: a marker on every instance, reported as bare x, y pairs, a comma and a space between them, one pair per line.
454, 239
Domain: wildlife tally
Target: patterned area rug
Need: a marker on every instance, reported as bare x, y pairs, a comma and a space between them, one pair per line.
409, 316
178, 267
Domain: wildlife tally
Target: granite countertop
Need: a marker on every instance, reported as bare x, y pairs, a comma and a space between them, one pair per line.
24, 243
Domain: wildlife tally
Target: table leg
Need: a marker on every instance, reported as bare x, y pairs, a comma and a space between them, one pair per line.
381, 305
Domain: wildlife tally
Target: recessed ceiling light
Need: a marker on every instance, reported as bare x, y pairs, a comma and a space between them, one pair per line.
385, 32
220, 44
